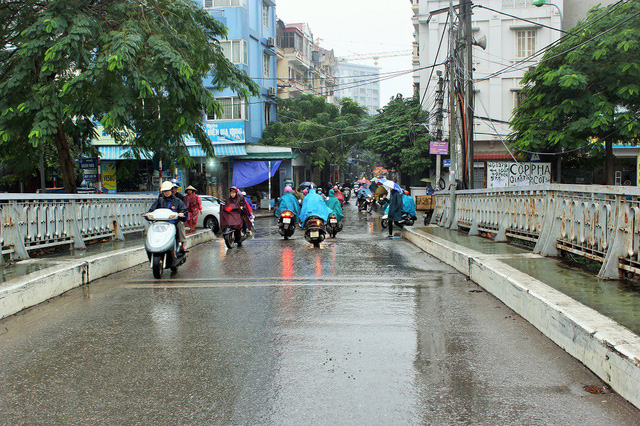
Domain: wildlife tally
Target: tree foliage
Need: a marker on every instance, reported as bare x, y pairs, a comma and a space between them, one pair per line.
395, 136
134, 66
325, 132
587, 88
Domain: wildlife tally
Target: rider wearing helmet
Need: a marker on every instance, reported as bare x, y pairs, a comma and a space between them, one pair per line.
167, 200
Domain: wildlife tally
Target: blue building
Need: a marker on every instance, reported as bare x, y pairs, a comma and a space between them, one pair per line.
250, 45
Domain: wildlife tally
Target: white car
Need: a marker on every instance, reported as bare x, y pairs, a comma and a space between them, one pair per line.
210, 216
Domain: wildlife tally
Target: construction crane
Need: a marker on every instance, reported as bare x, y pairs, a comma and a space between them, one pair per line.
375, 56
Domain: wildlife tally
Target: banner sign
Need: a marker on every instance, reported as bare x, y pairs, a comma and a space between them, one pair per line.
222, 132
446, 163
503, 174
439, 148
109, 180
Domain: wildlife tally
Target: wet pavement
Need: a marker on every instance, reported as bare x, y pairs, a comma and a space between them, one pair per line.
364, 330
616, 299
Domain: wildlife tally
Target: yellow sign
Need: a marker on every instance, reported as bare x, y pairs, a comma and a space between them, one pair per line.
109, 175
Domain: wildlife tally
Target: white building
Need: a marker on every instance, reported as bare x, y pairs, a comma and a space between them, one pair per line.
509, 42
360, 83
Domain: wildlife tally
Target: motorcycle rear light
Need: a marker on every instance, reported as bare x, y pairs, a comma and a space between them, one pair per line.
287, 214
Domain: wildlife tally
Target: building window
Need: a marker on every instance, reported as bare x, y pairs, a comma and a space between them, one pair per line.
266, 65
265, 15
212, 4
525, 43
289, 40
236, 51
267, 114
516, 4
518, 96
232, 109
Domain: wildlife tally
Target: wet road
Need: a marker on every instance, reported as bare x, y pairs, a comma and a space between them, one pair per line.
365, 330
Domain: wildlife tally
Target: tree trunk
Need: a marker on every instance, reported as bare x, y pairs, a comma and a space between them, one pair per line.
608, 162
66, 163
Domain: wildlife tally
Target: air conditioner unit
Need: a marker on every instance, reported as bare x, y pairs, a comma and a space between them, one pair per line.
272, 91
271, 42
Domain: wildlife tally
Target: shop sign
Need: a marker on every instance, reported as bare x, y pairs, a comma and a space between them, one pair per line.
222, 132
503, 174
88, 163
438, 148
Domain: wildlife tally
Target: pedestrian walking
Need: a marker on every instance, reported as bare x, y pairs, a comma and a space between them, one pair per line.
395, 209
194, 206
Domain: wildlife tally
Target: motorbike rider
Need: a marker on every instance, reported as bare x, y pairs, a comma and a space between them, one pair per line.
395, 209
339, 195
334, 204
288, 202
363, 193
312, 205
235, 214
175, 191
167, 200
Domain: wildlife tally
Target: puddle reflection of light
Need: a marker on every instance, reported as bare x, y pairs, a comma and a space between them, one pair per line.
287, 263
223, 248
333, 259
371, 226
318, 265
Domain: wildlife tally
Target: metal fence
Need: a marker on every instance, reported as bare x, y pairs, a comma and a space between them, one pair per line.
36, 221
601, 223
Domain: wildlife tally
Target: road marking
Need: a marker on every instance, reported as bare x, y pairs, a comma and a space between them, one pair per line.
280, 282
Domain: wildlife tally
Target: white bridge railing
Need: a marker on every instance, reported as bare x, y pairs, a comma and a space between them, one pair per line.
598, 222
35, 221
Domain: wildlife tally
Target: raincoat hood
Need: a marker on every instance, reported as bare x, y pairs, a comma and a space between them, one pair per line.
288, 202
313, 205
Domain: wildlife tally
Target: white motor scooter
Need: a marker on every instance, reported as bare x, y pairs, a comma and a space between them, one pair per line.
162, 245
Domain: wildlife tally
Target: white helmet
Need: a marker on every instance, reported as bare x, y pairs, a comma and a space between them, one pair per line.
166, 186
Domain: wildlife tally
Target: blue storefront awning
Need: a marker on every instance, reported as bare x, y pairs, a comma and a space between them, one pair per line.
230, 150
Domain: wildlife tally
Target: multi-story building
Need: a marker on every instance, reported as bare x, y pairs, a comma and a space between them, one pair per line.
303, 66
499, 68
250, 45
361, 83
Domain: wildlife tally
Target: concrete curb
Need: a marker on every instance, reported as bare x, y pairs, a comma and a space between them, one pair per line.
40, 286
608, 349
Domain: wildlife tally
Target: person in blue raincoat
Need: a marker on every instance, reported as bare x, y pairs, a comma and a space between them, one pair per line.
334, 204
408, 205
314, 205
288, 202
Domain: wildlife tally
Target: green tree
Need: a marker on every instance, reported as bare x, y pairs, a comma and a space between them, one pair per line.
586, 90
325, 132
135, 66
398, 139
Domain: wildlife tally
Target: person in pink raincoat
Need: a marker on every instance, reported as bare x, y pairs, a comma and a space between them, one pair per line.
194, 206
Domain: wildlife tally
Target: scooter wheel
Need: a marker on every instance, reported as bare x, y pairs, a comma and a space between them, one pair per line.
157, 266
316, 245
384, 223
174, 269
228, 240
286, 237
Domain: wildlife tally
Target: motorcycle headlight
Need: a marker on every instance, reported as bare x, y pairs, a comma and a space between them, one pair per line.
160, 227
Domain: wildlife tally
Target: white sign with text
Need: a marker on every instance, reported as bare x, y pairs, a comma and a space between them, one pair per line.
502, 174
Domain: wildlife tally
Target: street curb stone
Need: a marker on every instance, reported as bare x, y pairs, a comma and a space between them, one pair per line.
608, 349
40, 286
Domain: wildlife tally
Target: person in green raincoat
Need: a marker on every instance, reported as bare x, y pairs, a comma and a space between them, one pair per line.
334, 204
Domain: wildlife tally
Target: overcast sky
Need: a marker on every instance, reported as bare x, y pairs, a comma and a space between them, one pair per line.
360, 26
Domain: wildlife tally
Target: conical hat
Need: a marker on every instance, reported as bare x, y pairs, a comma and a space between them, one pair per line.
191, 188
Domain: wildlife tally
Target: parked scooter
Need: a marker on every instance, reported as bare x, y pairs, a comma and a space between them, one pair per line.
287, 224
333, 227
314, 230
161, 243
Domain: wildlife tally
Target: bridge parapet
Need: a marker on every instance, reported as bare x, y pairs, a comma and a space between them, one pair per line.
601, 223
36, 221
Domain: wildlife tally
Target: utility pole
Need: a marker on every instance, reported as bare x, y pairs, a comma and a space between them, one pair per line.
466, 13
439, 116
453, 148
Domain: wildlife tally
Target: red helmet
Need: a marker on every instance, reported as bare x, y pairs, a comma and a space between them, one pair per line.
406, 192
